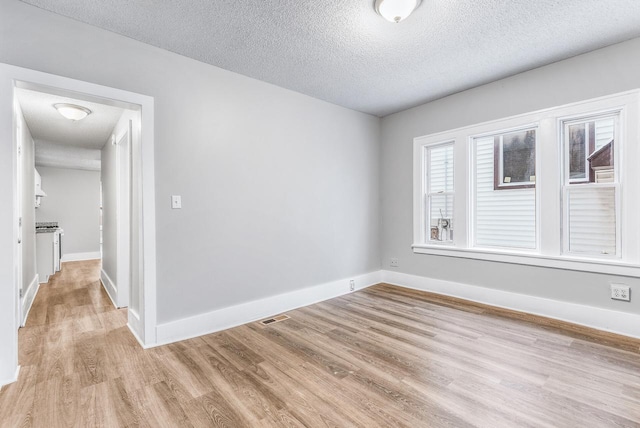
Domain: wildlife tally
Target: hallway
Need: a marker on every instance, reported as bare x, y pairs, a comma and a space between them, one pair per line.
74, 350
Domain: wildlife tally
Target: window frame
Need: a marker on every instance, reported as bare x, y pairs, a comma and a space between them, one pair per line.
549, 162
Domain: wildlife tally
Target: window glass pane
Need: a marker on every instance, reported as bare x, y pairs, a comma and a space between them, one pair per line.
503, 217
577, 152
592, 220
604, 131
590, 149
519, 157
440, 221
439, 199
441, 169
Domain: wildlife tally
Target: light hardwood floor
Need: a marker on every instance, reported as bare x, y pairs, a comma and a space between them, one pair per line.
385, 356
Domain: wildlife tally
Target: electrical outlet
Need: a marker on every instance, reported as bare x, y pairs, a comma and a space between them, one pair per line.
352, 285
620, 292
394, 262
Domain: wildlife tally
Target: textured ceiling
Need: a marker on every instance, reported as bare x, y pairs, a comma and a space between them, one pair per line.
62, 142
62, 156
343, 52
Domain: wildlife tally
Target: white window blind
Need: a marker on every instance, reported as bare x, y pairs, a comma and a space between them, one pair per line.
592, 220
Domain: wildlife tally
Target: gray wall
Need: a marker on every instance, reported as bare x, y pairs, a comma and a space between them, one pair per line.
606, 71
279, 190
73, 200
28, 207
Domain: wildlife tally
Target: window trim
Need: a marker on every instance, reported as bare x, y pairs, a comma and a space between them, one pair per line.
583, 264
549, 197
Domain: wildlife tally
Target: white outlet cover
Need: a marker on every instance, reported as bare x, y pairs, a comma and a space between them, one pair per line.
620, 292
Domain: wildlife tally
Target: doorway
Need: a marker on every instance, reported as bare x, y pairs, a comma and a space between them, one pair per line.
136, 143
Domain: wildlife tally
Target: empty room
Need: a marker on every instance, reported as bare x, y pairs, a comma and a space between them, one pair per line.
363, 213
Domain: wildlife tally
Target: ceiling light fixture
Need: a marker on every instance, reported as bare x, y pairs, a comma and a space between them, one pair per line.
396, 10
72, 111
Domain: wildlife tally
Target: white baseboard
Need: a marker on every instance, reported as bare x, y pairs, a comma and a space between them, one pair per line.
8, 381
28, 298
135, 334
135, 325
623, 323
76, 257
243, 313
109, 287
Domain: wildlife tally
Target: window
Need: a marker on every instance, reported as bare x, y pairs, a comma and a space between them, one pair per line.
556, 187
439, 192
505, 208
590, 187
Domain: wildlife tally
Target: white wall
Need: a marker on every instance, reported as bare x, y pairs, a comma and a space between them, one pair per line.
109, 218
8, 236
115, 177
279, 190
73, 200
606, 71
28, 206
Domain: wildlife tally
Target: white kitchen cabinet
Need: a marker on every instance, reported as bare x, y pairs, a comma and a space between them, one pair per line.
47, 254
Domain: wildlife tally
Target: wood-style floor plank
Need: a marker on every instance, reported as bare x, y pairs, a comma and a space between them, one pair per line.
381, 357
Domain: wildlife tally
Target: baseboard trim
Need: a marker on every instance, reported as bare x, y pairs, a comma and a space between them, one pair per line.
6, 382
623, 323
29, 297
135, 325
133, 332
77, 257
109, 287
244, 313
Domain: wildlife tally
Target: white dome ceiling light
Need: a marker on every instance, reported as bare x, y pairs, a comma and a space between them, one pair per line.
72, 111
396, 10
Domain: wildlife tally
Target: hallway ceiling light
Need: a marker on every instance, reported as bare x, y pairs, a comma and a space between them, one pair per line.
396, 10
72, 111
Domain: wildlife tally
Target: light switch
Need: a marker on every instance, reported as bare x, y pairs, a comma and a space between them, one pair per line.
176, 202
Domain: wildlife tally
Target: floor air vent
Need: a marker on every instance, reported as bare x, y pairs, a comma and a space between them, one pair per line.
273, 320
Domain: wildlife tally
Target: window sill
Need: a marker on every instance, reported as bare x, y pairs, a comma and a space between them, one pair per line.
613, 267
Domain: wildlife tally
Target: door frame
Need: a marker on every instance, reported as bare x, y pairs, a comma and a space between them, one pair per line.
11, 77
124, 205
19, 213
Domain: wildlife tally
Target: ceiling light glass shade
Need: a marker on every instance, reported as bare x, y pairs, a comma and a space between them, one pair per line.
396, 10
72, 111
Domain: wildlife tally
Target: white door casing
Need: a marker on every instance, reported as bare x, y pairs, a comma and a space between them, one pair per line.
10, 77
